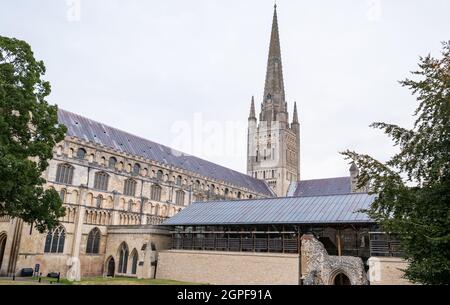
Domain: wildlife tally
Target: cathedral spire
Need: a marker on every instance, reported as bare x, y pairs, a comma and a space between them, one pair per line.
252, 109
274, 86
295, 116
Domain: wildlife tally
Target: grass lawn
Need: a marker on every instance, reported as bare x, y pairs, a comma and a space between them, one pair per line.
92, 281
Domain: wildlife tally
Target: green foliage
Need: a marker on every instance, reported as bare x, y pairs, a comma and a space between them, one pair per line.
413, 186
28, 132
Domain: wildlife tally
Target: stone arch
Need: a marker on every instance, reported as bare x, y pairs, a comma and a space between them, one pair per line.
123, 258
74, 197
339, 273
89, 199
3, 237
134, 261
110, 266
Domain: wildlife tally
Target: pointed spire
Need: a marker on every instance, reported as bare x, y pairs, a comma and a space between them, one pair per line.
252, 109
274, 85
295, 116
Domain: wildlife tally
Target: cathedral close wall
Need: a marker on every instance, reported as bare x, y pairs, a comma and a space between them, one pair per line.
228, 268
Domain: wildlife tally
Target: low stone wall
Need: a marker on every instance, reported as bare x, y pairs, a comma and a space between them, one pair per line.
387, 271
228, 268
319, 268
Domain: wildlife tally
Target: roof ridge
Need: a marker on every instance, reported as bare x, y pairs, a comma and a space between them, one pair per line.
317, 179
285, 197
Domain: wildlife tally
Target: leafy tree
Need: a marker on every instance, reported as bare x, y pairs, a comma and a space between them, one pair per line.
413, 186
28, 132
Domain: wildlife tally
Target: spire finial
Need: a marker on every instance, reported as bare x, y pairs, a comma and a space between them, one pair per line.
295, 116
252, 109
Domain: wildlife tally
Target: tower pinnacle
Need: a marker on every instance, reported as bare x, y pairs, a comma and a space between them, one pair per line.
252, 109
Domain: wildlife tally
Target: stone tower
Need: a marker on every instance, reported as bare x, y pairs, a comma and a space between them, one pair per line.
273, 144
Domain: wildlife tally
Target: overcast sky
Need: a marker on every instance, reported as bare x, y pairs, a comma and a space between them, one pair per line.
182, 73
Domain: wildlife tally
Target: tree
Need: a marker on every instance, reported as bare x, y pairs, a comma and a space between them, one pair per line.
29, 130
413, 187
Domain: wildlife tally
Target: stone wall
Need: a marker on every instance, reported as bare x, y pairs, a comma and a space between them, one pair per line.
228, 268
387, 271
319, 268
140, 239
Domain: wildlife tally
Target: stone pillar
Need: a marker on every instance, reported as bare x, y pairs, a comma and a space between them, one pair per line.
115, 213
74, 272
144, 201
11, 247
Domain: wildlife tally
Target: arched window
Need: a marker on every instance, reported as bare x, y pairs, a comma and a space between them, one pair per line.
123, 258
179, 181
62, 195
157, 210
197, 185
159, 175
179, 200
130, 205
54, 243
136, 169
212, 189
156, 192
93, 241
81, 153
64, 173
226, 192
112, 162
239, 195
101, 181
134, 261
129, 187
99, 201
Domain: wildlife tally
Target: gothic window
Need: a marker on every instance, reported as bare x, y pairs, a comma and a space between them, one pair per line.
157, 210
101, 181
123, 258
179, 197
62, 195
239, 195
64, 173
179, 181
197, 185
156, 192
159, 175
130, 187
212, 189
54, 243
81, 153
99, 201
136, 169
226, 192
93, 241
134, 261
112, 162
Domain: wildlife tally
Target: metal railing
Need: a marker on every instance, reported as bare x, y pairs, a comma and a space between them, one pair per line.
384, 244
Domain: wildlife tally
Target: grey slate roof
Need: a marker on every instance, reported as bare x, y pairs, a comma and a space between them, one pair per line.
321, 187
95, 132
288, 210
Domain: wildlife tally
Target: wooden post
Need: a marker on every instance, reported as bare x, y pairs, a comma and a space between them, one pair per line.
338, 240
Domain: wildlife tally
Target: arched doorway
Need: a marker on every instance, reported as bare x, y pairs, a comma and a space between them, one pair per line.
110, 267
2, 247
341, 279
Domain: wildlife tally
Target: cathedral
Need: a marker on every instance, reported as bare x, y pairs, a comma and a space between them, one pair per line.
119, 188
273, 147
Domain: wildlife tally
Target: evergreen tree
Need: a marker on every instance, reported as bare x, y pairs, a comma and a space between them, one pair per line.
413, 186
